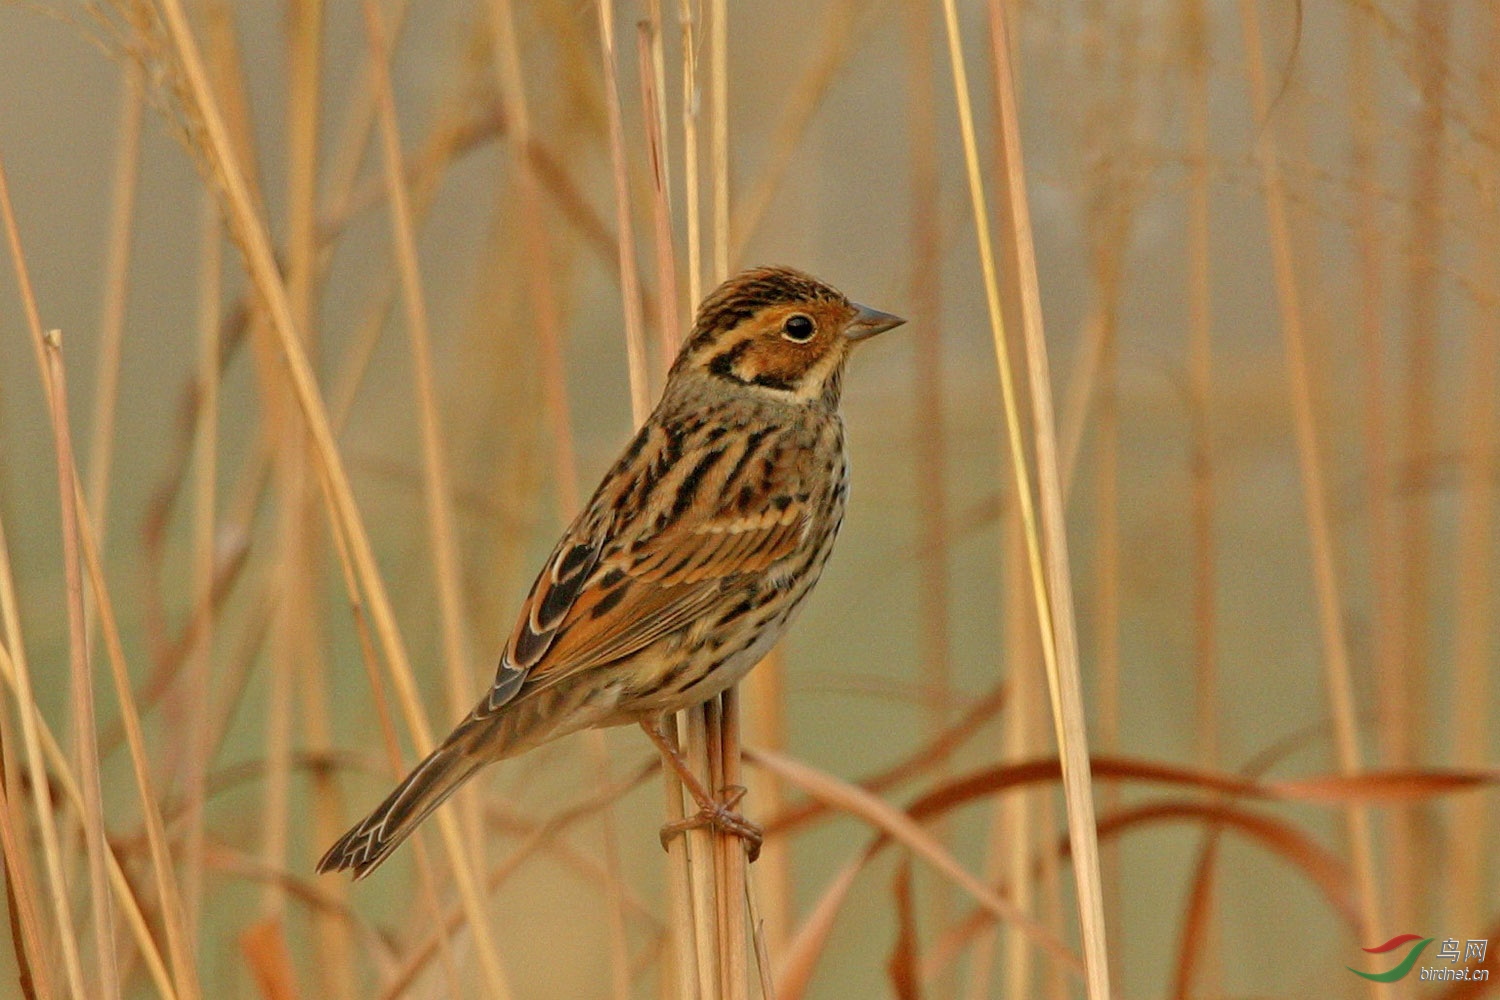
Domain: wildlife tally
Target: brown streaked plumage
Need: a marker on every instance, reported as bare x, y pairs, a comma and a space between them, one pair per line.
691, 558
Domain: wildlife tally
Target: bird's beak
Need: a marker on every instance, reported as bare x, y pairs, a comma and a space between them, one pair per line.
868, 322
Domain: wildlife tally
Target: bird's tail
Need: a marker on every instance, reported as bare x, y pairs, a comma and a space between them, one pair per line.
373, 838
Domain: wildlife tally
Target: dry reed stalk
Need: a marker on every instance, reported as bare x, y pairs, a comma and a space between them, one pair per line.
682, 934
1013, 822
1337, 672
287, 477
721, 717
765, 711
839, 32
1051, 588
51, 756
978, 713
1474, 623
25, 697
1106, 577
305, 273
929, 466
252, 239
226, 75
767, 722
23, 908
614, 890
541, 295
116, 283
350, 374
1197, 921
542, 836
1200, 383
764, 971
692, 197
1052, 910
640, 406
34, 972
930, 459
205, 467
693, 739
718, 143
653, 113
85, 725
287, 641
1110, 123
285, 647
427, 878
630, 290
181, 948
655, 83
735, 881
437, 490
703, 745
1431, 43
713, 751
799, 960
1197, 31
900, 827
1393, 727
90, 813
1080, 394
303, 279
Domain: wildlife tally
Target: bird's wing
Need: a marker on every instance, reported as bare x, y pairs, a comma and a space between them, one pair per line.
665, 584
612, 594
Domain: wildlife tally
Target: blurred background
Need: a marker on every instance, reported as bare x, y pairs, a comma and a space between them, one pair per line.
1268, 243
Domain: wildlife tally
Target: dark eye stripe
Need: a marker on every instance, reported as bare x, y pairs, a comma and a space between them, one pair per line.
774, 382
723, 364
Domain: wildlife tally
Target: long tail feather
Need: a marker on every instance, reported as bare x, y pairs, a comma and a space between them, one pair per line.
373, 838
485, 736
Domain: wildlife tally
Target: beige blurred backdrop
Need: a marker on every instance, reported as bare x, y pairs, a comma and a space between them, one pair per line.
1107, 92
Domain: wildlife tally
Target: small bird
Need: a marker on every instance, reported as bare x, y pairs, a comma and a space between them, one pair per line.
689, 562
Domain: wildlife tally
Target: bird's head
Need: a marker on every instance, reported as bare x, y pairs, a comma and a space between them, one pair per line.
778, 331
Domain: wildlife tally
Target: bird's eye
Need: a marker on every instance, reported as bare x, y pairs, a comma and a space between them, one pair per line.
797, 328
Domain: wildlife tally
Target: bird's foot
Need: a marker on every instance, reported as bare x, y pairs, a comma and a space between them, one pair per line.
720, 814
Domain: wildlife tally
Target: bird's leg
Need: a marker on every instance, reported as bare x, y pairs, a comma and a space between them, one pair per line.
716, 812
